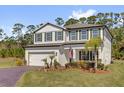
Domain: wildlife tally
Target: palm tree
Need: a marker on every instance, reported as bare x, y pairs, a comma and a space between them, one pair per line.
29, 34
17, 29
59, 21
51, 58
45, 62
91, 20
93, 44
1, 33
71, 21
30, 28
106, 15
82, 20
122, 17
56, 64
116, 18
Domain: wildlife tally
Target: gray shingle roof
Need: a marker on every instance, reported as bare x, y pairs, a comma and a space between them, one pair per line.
55, 44
80, 25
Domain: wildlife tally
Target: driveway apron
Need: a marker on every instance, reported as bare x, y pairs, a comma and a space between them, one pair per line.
9, 76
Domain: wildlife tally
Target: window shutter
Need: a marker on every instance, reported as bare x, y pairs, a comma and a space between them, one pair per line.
76, 34
40, 36
35, 37
80, 35
91, 33
69, 35
87, 34
45, 37
51, 37
55, 36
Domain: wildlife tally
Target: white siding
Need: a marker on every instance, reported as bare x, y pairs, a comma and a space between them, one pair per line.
49, 28
106, 48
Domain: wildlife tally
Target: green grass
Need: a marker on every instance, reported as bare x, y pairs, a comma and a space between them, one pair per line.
75, 78
7, 62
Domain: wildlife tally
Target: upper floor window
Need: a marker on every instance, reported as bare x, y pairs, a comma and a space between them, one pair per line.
73, 35
83, 34
48, 36
58, 36
38, 37
95, 32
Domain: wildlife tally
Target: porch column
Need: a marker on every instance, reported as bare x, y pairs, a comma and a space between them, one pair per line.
101, 33
89, 34
74, 54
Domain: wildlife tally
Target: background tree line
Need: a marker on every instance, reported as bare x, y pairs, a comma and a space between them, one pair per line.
13, 46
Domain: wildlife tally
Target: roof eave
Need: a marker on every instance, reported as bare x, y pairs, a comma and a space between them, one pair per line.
83, 27
49, 24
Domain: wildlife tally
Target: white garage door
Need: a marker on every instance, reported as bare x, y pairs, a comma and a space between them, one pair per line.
35, 59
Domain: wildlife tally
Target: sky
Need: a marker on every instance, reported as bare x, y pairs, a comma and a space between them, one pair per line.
34, 14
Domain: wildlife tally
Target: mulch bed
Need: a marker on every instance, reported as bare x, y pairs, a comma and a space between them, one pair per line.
103, 71
70, 69
97, 71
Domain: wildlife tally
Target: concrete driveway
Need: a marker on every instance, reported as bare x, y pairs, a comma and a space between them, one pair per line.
9, 76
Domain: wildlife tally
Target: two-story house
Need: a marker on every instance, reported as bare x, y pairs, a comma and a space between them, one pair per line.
51, 39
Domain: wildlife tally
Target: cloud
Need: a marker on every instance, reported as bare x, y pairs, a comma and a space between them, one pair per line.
78, 14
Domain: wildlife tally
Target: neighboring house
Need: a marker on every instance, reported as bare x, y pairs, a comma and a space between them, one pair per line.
51, 39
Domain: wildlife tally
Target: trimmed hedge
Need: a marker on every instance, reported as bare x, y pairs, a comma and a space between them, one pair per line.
13, 52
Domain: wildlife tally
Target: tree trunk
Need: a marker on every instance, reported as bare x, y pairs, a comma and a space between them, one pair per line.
95, 60
51, 64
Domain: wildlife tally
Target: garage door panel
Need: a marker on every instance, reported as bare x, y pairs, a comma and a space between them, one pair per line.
36, 59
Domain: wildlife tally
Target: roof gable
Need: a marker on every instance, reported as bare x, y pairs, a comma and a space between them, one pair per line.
50, 25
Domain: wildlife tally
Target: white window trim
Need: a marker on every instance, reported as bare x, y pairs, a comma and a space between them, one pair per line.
56, 35
70, 38
80, 35
36, 38
46, 40
97, 30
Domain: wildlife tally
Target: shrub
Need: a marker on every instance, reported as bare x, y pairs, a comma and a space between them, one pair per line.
106, 68
87, 65
56, 64
78, 64
19, 62
2, 53
81, 64
100, 66
25, 62
72, 64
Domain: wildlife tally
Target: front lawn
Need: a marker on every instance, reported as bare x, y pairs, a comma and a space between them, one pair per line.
7, 62
75, 78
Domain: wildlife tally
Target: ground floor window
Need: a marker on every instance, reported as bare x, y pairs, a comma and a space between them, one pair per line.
87, 55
